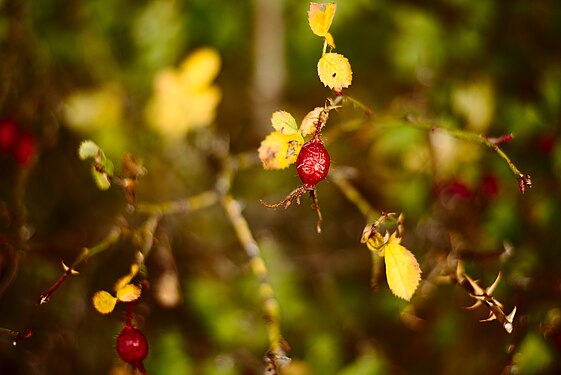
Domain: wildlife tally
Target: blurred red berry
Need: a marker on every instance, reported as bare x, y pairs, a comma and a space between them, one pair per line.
8, 133
455, 188
489, 186
132, 346
24, 148
546, 143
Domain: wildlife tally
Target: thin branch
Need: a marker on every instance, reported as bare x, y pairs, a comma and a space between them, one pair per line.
110, 239
354, 196
358, 104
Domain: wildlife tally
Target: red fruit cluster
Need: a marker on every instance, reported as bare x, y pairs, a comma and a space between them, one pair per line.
132, 346
312, 163
18, 143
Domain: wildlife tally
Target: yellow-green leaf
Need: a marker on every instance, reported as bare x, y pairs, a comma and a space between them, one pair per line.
402, 270
88, 149
129, 293
101, 179
320, 17
278, 151
284, 123
334, 70
309, 123
104, 302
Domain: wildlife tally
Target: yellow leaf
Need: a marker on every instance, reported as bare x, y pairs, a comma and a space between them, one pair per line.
129, 293
320, 17
309, 123
125, 280
278, 151
200, 68
335, 71
185, 98
402, 270
104, 302
284, 123
330, 41
376, 242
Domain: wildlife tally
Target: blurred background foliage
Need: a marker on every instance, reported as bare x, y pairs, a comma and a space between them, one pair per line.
74, 70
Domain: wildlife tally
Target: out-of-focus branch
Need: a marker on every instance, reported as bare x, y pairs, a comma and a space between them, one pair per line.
524, 180
194, 203
16, 335
354, 196
270, 304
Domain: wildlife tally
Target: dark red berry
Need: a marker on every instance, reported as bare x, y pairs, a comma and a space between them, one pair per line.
313, 163
24, 148
8, 133
132, 346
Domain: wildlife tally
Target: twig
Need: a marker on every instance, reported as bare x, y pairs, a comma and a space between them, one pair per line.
354, 196
112, 237
13, 266
16, 335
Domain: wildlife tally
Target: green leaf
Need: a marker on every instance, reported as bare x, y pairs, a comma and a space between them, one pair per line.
101, 179
107, 166
284, 123
402, 270
88, 149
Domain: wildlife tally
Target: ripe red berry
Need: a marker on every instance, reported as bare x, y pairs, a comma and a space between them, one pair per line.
313, 163
132, 346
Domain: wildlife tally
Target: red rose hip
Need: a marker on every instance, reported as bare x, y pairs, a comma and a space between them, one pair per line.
312, 163
132, 346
